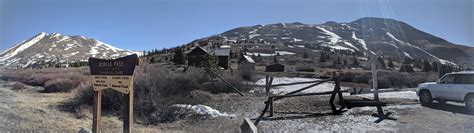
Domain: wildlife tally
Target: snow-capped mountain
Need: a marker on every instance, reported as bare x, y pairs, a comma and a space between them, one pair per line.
366, 35
56, 48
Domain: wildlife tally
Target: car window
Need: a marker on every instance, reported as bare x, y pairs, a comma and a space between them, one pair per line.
464, 79
448, 79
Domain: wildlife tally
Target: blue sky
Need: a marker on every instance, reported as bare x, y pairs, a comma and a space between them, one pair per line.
144, 25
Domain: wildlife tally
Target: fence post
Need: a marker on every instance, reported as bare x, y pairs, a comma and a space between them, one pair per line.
271, 106
97, 111
266, 85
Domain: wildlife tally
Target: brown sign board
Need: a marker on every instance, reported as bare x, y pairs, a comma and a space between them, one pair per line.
115, 74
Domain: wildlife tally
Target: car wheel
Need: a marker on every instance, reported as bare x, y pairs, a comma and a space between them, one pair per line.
442, 101
469, 101
425, 98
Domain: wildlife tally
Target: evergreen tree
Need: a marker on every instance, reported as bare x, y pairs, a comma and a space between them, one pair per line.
322, 58
390, 63
275, 60
435, 67
152, 59
305, 55
426, 66
338, 60
178, 57
382, 62
355, 62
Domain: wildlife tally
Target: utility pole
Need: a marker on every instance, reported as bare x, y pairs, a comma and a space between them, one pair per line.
373, 62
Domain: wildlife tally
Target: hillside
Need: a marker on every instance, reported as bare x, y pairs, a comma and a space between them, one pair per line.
363, 37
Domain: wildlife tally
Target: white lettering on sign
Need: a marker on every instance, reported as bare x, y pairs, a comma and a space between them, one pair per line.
120, 83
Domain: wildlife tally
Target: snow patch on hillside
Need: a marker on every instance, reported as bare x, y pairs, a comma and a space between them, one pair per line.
22, 46
442, 61
362, 42
334, 39
408, 55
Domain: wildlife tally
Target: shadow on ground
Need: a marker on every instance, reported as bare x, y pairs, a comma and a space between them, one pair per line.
456, 109
295, 115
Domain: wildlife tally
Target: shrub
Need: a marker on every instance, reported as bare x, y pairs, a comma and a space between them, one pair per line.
18, 86
349, 76
382, 83
38, 79
222, 87
59, 85
305, 69
406, 68
157, 89
397, 80
247, 75
362, 78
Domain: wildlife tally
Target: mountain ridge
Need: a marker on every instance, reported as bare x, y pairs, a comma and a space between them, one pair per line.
54, 48
366, 35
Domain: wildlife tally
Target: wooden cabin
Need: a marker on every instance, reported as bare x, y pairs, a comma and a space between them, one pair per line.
223, 55
275, 68
197, 56
246, 63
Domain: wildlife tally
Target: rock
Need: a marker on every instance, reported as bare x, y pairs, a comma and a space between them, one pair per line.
84, 130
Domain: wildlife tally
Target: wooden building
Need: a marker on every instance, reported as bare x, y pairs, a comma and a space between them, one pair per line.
223, 55
197, 56
246, 63
275, 68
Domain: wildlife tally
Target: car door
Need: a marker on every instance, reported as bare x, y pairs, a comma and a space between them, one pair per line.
462, 86
442, 90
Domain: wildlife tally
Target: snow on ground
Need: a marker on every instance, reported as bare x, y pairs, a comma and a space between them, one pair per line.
398, 94
276, 52
204, 110
286, 89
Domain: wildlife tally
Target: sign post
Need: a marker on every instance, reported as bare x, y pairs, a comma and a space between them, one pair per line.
117, 75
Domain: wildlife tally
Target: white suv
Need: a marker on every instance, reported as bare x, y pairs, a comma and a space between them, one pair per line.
456, 86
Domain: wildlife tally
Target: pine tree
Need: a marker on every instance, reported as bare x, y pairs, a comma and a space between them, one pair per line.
435, 67
426, 66
338, 60
322, 58
390, 63
305, 55
152, 59
381, 62
178, 57
275, 60
355, 62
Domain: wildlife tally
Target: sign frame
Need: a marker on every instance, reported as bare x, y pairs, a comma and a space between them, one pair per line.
116, 74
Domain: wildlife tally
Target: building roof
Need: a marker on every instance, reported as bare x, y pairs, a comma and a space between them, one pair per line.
221, 52
197, 49
249, 59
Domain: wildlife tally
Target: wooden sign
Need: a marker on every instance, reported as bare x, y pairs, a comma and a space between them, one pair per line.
117, 75
114, 74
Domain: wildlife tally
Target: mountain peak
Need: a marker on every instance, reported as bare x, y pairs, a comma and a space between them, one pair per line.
54, 34
43, 49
